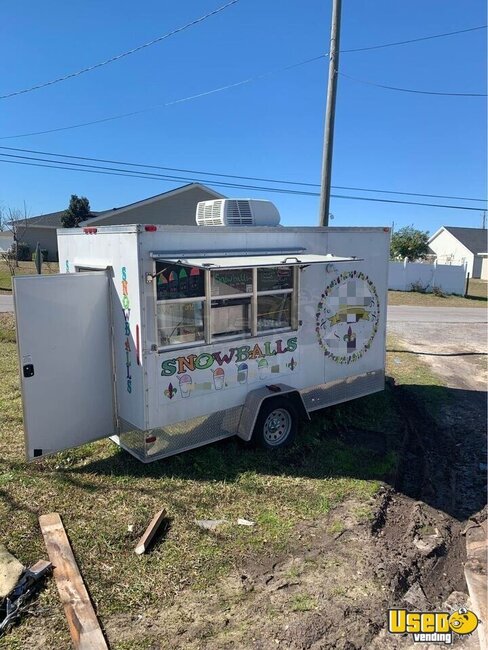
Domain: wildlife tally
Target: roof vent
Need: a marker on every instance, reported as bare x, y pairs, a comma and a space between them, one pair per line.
237, 212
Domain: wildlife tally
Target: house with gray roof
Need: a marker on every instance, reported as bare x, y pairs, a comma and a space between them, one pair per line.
453, 245
177, 207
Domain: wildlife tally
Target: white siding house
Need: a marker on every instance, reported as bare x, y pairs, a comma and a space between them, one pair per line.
453, 245
484, 266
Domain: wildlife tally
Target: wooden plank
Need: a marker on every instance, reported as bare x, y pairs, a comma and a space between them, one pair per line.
145, 540
477, 594
84, 627
475, 575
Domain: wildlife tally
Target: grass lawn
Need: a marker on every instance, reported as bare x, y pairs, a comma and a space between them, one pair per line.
25, 268
106, 498
477, 297
415, 376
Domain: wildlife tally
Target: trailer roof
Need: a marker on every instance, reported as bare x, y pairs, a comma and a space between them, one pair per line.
249, 261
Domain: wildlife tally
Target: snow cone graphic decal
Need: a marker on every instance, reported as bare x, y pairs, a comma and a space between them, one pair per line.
192, 375
263, 368
185, 385
242, 370
218, 378
347, 317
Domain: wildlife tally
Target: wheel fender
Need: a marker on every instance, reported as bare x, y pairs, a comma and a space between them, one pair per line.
256, 398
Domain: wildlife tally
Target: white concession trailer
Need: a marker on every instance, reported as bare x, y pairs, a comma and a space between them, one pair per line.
166, 338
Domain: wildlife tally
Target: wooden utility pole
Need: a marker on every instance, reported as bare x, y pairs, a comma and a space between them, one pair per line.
335, 34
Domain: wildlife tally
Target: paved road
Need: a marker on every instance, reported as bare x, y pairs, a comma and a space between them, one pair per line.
6, 303
414, 314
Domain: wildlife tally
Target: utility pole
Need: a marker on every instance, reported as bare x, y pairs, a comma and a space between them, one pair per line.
484, 219
335, 33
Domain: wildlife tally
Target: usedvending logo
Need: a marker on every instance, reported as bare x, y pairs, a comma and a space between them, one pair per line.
432, 627
347, 317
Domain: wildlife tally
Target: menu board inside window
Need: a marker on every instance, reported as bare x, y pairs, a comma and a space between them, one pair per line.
275, 278
174, 281
231, 281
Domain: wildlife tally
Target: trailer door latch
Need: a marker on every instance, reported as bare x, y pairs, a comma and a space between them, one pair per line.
28, 370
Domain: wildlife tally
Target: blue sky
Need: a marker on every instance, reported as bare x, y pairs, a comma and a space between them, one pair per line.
272, 127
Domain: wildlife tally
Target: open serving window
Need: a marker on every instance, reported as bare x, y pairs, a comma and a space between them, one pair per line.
201, 300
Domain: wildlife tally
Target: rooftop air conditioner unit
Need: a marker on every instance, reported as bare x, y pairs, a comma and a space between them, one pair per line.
237, 212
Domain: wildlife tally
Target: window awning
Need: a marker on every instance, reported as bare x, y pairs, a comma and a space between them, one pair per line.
250, 261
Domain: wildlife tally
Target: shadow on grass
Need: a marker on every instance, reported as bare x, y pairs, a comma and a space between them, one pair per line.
385, 437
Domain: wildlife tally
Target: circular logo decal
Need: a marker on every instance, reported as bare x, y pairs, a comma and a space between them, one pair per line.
347, 317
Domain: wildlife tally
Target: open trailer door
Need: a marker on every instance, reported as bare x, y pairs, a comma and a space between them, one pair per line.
65, 356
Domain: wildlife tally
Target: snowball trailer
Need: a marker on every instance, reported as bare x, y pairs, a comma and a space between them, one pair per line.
166, 338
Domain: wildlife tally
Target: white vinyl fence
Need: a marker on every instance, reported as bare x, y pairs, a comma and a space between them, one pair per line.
6, 241
409, 276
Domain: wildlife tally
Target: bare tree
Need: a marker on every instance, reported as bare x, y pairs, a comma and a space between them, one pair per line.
6, 256
15, 221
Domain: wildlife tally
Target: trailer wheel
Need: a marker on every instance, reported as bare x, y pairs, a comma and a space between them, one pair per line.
276, 425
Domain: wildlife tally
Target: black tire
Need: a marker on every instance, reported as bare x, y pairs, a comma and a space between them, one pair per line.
276, 425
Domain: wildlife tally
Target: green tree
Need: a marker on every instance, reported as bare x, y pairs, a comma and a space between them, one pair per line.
78, 210
409, 242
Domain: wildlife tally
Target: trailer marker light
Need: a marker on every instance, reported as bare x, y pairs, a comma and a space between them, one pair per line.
150, 228
386, 230
90, 231
151, 439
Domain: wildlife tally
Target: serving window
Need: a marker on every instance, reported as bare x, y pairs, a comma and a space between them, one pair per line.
196, 305
273, 311
175, 282
180, 322
275, 278
231, 281
231, 317
180, 295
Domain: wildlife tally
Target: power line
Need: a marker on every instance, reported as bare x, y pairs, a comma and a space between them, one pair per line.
201, 19
166, 104
235, 176
222, 88
431, 205
144, 175
84, 167
122, 55
415, 40
410, 90
431, 196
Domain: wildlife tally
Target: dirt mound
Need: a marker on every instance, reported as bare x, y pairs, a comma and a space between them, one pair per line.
333, 588
332, 591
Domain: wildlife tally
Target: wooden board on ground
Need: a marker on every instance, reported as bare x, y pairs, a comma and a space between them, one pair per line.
145, 540
475, 574
84, 627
